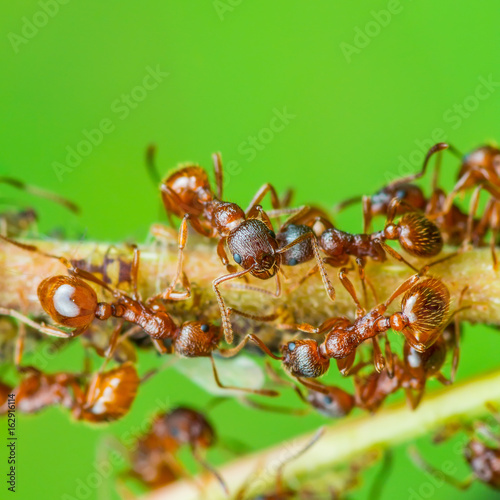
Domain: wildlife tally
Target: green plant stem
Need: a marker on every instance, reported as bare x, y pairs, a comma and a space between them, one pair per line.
21, 272
353, 437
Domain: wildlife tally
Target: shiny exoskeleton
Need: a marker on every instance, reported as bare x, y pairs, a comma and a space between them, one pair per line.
249, 234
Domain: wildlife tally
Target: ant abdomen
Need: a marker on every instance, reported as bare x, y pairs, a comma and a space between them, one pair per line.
425, 311
195, 339
302, 252
252, 243
428, 363
303, 359
191, 189
69, 301
419, 236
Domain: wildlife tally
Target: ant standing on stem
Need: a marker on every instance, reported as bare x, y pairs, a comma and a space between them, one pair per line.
248, 234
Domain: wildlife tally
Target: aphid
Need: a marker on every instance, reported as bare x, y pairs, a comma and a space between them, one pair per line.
107, 397
249, 234
155, 460
423, 315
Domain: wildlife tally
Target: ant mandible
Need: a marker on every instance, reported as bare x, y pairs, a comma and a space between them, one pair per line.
249, 234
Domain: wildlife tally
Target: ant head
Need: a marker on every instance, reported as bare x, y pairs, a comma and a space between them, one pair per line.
427, 363
336, 404
195, 339
419, 236
299, 253
114, 393
303, 359
487, 157
185, 426
334, 242
68, 300
185, 190
253, 245
425, 311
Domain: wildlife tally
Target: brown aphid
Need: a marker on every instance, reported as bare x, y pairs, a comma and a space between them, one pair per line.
248, 234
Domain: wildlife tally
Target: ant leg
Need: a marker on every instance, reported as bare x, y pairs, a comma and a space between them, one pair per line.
183, 234
262, 392
150, 160
474, 202
421, 463
134, 272
226, 323
255, 317
406, 285
378, 358
19, 347
113, 343
463, 181
197, 456
259, 196
229, 353
345, 365
219, 172
389, 357
275, 409
221, 252
413, 400
314, 242
442, 379
410, 178
456, 334
325, 327
160, 346
367, 213
42, 193
495, 224
396, 255
43, 328
347, 283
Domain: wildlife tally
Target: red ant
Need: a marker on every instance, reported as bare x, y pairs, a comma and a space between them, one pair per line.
248, 234
107, 397
451, 220
72, 303
423, 315
483, 459
154, 459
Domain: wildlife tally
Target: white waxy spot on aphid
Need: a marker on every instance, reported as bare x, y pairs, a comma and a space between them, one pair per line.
63, 303
408, 311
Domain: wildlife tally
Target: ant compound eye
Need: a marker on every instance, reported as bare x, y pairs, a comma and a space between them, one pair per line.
291, 346
292, 262
272, 234
401, 194
204, 328
237, 258
328, 400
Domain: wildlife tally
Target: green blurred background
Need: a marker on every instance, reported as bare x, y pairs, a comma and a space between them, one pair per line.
365, 88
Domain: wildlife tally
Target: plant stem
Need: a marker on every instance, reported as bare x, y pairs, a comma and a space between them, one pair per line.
21, 271
342, 442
